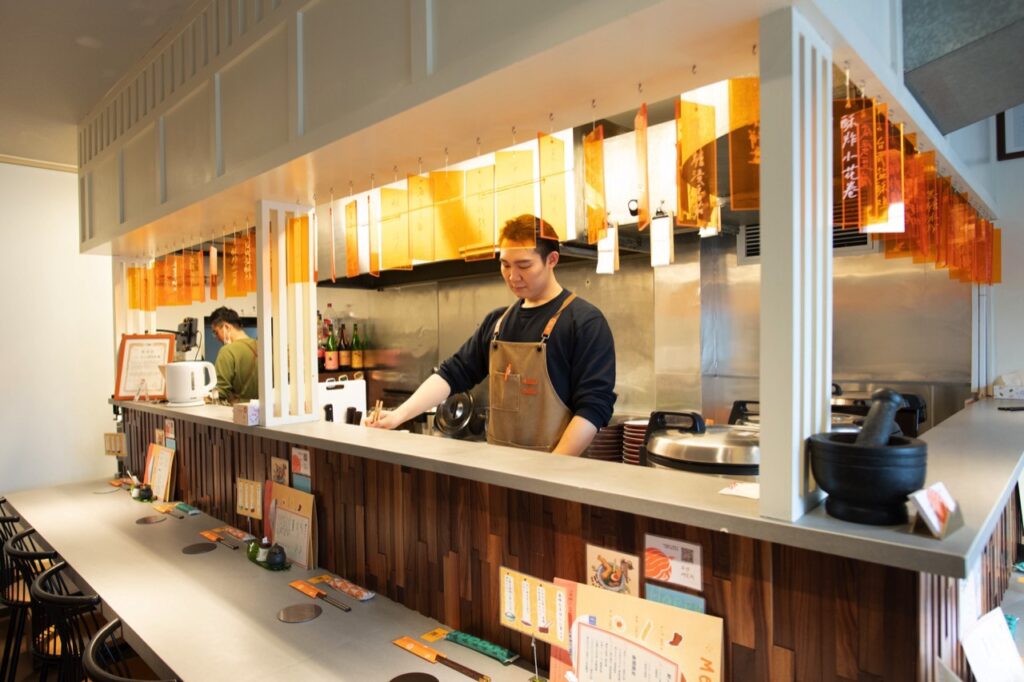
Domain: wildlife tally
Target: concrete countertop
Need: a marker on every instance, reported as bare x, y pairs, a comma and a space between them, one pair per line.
977, 453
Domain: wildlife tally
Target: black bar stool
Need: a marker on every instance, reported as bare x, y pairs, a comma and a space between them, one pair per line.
29, 561
74, 617
13, 594
104, 659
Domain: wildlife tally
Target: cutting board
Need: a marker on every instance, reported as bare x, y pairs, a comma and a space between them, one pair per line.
342, 395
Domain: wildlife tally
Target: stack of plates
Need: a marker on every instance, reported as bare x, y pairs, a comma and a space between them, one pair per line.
607, 444
632, 439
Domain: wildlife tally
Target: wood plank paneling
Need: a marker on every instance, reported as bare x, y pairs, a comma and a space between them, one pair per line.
434, 543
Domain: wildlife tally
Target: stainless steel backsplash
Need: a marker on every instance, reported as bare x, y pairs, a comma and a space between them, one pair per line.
687, 335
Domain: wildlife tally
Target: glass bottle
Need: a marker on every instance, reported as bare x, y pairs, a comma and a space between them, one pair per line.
330, 350
344, 349
357, 348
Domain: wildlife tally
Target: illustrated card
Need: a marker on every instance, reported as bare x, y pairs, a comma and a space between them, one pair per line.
612, 570
673, 561
300, 461
279, 470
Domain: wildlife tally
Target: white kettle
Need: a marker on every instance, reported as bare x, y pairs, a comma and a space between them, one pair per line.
185, 382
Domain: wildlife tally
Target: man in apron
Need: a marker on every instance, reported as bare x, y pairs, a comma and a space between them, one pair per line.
550, 356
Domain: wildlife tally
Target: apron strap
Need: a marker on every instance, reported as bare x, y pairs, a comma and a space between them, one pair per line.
497, 325
551, 323
547, 329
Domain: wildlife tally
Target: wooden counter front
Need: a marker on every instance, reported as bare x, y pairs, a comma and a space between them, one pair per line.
434, 542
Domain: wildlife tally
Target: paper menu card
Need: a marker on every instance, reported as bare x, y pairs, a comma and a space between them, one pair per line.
278, 498
159, 473
990, 650
533, 607
610, 625
291, 531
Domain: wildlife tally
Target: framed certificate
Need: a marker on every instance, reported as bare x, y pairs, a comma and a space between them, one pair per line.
138, 366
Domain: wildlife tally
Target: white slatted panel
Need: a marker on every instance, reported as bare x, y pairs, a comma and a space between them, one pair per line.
796, 263
287, 316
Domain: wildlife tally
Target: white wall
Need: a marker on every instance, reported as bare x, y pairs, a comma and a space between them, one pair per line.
1004, 179
56, 368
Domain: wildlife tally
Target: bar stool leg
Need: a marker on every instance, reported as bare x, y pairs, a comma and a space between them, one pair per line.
12, 648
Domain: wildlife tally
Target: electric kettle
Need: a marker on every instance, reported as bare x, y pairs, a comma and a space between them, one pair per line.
186, 385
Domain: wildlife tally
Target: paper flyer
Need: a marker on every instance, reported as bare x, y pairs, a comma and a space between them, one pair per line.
533, 607
300, 461
683, 600
673, 561
653, 636
612, 570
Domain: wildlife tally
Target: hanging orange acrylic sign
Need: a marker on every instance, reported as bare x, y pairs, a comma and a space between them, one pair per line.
643, 187
696, 164
854, 153
297, 258
234, 269
448, 189
213, 273
745, 144
593, 188
351, 239
479, 238
551, 152
421, 218
396, 253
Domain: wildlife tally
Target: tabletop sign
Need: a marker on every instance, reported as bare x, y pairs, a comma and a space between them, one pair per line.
114, 445
138, 366
936, 510
534, 607
990, 650
249, 498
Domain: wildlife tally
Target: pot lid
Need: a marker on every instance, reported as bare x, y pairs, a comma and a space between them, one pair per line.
725, 445
454, 414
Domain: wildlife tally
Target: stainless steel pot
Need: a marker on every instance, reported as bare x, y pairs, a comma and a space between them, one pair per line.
682, 440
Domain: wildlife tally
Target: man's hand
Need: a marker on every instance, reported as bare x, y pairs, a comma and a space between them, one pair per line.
386, 420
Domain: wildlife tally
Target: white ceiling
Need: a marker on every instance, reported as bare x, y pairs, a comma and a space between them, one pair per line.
58, 58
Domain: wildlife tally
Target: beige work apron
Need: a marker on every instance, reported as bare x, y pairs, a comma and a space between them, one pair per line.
525, 410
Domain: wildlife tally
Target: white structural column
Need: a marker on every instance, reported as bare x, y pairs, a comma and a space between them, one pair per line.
796, 257
287, 315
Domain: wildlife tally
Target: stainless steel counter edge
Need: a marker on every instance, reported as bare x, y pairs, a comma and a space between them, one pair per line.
977, 453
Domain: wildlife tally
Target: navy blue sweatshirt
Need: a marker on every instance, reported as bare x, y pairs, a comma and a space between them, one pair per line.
581, 354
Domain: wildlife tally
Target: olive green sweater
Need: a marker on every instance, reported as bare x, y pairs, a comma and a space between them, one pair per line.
238, 370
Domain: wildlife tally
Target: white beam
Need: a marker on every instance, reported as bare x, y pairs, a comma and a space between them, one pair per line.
796, 256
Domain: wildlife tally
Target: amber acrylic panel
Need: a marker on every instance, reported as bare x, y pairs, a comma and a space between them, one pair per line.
997, 256
593, 190
396, 253
351, 239
479, 240
297, 244
552, 185
853, 159
513, 185
235, 283
421, 218
643, 189
134, 281
374, 235
448, 189
696, 163
745, 144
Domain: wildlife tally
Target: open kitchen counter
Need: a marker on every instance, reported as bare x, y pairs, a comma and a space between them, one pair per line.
977, 453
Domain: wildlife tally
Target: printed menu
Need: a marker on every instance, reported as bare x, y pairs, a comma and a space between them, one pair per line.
534, 607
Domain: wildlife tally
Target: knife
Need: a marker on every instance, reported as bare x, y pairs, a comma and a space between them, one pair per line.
435, 656
316, 593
